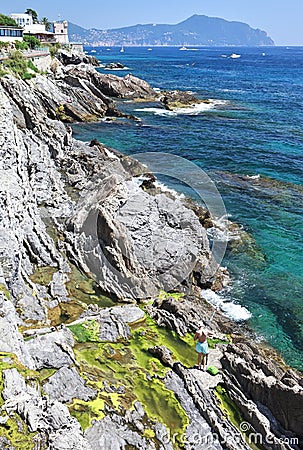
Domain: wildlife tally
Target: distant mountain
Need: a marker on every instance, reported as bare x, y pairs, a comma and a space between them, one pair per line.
197, 30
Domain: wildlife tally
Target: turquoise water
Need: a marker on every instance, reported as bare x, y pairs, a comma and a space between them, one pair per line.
257, 130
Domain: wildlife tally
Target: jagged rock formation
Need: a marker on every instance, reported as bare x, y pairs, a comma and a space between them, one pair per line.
72, 57
63, 204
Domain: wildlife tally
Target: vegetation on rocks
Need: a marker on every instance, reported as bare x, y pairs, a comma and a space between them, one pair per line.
31, 41
18, 65
125, 372
8, 21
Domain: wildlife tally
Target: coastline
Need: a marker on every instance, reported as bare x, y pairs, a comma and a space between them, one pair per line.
62, 154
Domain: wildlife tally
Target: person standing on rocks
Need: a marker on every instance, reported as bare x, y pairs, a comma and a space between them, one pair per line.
201, 336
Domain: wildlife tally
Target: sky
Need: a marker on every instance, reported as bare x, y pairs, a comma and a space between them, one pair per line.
281, 19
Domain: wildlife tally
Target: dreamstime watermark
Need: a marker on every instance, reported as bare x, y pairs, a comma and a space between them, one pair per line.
139, 242
199, 441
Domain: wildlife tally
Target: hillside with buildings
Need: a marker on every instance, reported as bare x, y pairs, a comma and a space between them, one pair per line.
195, 31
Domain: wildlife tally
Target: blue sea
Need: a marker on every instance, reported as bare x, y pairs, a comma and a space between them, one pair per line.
251, 144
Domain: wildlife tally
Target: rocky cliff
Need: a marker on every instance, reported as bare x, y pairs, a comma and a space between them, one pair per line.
94, 351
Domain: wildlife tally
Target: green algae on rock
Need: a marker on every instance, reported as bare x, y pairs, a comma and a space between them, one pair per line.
5, 291
84, 289
43, 275
229, 407
15, 428
124, 372
86, 332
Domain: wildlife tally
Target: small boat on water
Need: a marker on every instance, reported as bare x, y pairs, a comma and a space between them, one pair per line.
149, 49
122, 49
183, 48
235, 56
93, 51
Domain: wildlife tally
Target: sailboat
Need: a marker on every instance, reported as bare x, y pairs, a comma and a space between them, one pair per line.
122, 49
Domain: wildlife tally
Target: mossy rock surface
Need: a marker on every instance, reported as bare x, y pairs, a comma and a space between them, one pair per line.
5, 291
125, 371
43, 275
15, 429
84, 289
231, 410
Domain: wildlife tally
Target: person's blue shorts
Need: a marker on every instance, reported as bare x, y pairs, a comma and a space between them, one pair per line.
202, 347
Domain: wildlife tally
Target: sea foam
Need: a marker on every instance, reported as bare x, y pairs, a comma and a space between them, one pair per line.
230, 309
193, 110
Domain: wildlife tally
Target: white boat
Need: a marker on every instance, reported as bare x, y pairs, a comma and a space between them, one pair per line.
93, 51
149, 49
122, 49
183, 48
235, 56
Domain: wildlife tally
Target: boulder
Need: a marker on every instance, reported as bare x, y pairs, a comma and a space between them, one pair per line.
179, 99
66, 384
163, 354
52, 350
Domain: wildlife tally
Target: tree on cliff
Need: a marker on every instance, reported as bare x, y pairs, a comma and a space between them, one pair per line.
32, 13
46, 23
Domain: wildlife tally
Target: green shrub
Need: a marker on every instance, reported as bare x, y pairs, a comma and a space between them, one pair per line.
32, 66
21, 45
32, 41
18, 65
16, 62
28, 76
4, 45
5, 20
2, 71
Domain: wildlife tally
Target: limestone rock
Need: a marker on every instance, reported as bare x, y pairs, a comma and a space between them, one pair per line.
66, 384
129, 87
72, 57
265, 386
163, 354
41, 414
11, 340
52, 350
112, 328
199, 434
113, 433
